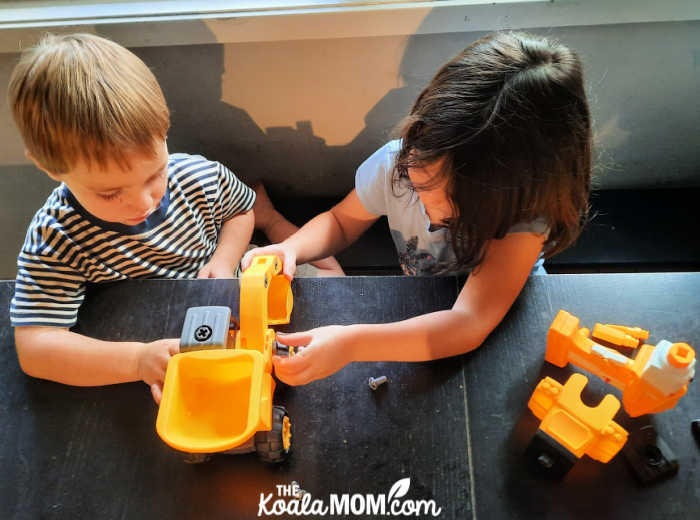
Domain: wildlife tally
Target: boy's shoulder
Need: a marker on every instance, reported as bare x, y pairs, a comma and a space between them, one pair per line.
183, 167
179, 160
193, 175
50, 220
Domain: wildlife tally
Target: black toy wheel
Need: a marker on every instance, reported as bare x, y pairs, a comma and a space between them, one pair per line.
274, 446
196, 458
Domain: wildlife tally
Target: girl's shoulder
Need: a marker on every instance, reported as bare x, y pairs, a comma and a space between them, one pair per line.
387, 153
374, 178
539, 226
380, 164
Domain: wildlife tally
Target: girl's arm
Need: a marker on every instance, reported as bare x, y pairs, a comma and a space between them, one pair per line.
322, 236
480, 306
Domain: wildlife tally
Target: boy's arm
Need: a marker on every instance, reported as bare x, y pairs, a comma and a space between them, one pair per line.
480, 306
63, 356
234, 238
322, 236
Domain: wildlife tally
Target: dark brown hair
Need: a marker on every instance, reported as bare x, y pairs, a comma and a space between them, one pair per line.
510, 118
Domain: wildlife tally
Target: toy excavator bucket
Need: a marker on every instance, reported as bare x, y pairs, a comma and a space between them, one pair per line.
214, 399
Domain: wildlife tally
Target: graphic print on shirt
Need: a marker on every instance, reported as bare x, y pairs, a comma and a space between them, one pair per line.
416, 261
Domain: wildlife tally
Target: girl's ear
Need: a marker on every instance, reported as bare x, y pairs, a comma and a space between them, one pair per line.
29, 156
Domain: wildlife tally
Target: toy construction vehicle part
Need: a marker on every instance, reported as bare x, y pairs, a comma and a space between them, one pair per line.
618, 335
652, 382
648, 455
217, 395
571, 429
208, 328
283, 350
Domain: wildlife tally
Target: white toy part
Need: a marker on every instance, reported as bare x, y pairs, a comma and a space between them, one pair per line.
664, 376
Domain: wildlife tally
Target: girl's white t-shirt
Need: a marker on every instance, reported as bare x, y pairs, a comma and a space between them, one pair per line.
420, 250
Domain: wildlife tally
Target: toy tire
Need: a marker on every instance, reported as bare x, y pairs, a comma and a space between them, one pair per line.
196, 458
270, 445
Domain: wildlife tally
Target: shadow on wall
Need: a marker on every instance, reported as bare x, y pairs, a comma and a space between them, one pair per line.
644, 138
647, 136
23, 189
292, 161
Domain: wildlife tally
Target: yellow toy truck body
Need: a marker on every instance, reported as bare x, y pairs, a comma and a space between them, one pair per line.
217, 395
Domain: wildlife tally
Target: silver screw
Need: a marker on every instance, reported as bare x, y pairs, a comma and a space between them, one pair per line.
545, 461
299, 493
374, 383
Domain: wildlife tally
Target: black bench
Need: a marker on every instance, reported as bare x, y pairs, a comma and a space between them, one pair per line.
629, 230
637, 230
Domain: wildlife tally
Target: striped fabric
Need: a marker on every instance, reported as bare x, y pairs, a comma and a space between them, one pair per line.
67, 247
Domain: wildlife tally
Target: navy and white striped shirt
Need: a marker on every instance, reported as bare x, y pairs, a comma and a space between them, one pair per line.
67, 247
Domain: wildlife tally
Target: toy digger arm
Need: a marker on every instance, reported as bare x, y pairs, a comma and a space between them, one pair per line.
652, 382
266, 299
620, 335
567, 343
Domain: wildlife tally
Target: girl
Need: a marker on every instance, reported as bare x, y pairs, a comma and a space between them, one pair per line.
491, 173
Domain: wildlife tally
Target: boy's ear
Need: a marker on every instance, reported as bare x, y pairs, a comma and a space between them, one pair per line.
29, 156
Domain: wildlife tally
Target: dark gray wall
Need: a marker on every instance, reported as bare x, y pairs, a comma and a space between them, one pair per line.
341, 99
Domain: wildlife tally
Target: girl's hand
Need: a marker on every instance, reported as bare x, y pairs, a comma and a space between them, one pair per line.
215, 269
282, 251
323, 351
153, 363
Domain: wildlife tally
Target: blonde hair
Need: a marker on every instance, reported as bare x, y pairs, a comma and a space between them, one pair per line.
81, 97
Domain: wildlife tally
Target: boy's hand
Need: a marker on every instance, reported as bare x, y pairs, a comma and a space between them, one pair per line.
284, 252
153, 363
322, 352
215, 269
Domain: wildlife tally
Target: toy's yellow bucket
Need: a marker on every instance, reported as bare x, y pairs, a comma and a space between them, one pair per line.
213, 400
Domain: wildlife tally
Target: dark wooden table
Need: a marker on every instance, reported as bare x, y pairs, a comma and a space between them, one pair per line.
456, 427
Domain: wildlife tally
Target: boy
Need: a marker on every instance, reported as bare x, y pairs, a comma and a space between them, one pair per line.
93, 117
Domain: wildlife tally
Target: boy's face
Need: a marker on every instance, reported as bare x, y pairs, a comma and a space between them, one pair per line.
123, 196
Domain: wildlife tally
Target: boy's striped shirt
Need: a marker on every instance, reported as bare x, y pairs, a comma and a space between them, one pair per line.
67, 247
